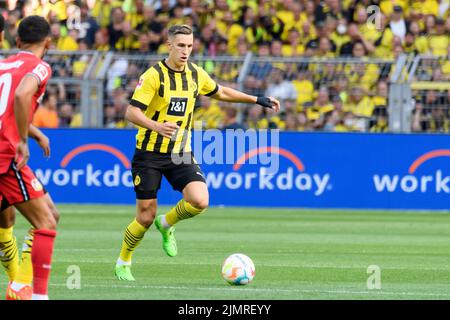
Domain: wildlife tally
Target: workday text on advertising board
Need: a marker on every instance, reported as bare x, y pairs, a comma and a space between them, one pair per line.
316, 170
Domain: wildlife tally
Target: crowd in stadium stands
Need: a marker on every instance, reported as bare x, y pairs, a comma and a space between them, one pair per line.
315, 96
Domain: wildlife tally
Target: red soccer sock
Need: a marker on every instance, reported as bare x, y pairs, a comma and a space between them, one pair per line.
41, 256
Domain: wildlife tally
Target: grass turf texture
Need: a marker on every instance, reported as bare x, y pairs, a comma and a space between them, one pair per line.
298, 254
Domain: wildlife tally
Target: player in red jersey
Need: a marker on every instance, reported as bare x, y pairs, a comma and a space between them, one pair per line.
23, 79
21, 273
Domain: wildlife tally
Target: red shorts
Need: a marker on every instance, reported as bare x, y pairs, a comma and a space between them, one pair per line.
19, 186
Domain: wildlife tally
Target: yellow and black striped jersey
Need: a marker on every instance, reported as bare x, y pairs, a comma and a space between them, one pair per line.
166, 95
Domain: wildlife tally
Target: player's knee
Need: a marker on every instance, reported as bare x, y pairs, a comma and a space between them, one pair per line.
49, 223
146, 215
8, 218
200, 203
55, 214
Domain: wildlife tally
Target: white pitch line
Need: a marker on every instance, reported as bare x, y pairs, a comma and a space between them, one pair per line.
247, 290
263, 265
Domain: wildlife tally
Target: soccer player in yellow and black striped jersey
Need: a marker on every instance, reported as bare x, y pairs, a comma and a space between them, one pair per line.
162, 107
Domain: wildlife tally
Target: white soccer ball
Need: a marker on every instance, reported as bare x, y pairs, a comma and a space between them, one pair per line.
238, 269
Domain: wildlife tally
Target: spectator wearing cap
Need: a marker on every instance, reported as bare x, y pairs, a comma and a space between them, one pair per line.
387, 6
439, 41
398, 24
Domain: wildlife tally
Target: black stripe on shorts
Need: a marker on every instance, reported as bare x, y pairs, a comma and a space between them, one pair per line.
22, 186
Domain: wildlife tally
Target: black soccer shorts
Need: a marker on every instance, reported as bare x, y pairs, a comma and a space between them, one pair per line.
148, 168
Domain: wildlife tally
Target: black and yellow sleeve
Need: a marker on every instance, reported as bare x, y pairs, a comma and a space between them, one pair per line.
145, 90
208, 86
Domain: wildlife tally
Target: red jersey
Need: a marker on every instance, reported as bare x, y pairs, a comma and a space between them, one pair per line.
12, 71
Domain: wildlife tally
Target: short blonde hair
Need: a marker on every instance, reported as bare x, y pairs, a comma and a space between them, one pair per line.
180, 29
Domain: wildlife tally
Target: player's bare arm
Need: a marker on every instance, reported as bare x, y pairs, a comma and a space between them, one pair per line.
42, 140
22, 105
136, 116
232, 95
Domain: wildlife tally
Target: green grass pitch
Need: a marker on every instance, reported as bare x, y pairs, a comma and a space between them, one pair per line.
298, 254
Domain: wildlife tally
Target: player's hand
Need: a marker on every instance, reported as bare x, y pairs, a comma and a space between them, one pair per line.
269, 102
22, 154
167, 129
44, 143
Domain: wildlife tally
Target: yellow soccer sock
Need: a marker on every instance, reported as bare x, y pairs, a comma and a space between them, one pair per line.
183, 210
133, 235
25, 272
9, 255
